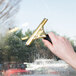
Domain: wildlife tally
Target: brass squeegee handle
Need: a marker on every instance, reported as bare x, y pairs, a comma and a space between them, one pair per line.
48, 38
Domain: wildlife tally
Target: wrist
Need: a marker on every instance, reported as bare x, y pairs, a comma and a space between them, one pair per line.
72, 60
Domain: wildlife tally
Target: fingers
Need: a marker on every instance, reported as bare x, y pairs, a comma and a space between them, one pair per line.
48, 44
61, 38
53, 37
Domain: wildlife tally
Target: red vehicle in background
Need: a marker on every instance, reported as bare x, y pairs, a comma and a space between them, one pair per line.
15, 72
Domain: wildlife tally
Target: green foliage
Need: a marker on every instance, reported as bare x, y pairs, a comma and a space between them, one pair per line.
14, 49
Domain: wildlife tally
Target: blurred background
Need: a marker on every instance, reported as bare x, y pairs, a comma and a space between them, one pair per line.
19, 18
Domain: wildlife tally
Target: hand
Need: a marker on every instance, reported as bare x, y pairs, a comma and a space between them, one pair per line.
61, 47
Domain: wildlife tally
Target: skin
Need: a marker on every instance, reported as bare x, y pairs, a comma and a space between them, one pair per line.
62, 48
